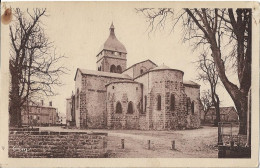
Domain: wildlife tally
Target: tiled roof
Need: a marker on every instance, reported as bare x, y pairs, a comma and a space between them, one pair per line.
164, 67
190, 83
140, 63
161, 67
104, 74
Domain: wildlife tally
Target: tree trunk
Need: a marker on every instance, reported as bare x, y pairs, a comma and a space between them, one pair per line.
238, 97
216, 104
204, 120
15, 100
242, 113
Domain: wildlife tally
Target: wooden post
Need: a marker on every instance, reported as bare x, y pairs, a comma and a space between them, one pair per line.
123, 143
149, 142
173, 145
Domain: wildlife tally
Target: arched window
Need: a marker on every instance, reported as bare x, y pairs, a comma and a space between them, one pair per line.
192, 107
159, 102
188, 104
113, 68
130, 109
141, 71
118, 107
77, 99
145, 103
119, 69
172, 107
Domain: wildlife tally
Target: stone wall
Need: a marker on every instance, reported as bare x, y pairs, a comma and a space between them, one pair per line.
78, 88
35, 144
107, 58
143, 123
93, 112
193, 92
124, 93
166, 83
145, 66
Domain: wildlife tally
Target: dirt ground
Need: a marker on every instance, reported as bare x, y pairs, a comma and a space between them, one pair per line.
196, 143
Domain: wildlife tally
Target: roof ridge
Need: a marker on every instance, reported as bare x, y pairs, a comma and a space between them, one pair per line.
139, 63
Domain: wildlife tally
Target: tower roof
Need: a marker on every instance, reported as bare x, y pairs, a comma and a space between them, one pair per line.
112, 43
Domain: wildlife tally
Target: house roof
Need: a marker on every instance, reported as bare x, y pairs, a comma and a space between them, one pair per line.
40, 106
190, 83
112, 43
159, 68
139, 63
102, 73
164, 67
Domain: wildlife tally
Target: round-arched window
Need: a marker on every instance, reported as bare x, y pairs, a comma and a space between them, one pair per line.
118, 107
172, 106
130, 108
118, 69
192, 107
113, 68
159, 102
141, 71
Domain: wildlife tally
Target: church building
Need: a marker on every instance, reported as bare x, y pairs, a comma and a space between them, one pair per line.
143, 96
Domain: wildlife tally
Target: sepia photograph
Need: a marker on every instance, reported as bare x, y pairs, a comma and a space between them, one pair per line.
130, 80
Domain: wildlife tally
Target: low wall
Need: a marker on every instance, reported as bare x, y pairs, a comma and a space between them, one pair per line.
33, 144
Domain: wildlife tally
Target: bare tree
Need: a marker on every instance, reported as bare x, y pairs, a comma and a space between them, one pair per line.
33, 62
208, 73
217, 30
206, 101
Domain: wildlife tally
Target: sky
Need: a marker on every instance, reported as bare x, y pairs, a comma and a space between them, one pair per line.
79, 29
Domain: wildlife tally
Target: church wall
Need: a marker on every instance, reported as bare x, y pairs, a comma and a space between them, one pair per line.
94, 114
102, 58
115, 54
107, 62
194, 94
68, 110
144, 116
124, 93
93, 101
78, 86
145, 66
164, 83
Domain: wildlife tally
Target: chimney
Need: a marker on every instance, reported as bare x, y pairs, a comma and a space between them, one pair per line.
50, 103
42, 102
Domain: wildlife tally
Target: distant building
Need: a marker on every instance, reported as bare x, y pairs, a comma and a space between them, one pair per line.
227, 114
39, 115
62, 118
70, 111
144, 96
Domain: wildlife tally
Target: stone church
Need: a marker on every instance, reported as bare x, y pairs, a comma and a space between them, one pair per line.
143, 96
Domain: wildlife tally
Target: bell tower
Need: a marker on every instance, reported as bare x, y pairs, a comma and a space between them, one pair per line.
112, 55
